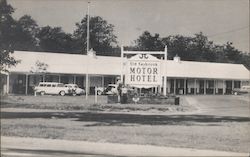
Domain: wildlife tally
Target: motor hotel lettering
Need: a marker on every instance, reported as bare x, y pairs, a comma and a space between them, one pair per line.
143, 70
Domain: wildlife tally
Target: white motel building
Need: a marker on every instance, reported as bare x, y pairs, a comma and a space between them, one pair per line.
88, 72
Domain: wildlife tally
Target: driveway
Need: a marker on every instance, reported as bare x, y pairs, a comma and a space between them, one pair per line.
221, 105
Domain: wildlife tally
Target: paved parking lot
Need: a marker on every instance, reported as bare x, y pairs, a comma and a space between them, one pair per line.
227, 105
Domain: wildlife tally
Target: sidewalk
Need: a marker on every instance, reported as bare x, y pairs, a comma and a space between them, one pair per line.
18, 146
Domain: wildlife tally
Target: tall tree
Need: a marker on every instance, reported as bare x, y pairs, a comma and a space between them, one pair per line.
102, 37
179, 45
7, 26
55, 40
148, 42
202, 47
25, 34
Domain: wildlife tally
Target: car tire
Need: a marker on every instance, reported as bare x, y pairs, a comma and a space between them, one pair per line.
62, 93
42, 93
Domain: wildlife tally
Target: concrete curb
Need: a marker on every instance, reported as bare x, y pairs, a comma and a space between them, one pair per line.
109, 149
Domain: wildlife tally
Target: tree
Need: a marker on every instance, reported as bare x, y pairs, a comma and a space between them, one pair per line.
196, 48
29, 30
102, 38
202, 48
148, 42
7, 26
179, 45
25, 34
55, 40
231, 53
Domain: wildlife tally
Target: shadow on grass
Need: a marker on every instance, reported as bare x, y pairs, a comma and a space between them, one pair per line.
113, 119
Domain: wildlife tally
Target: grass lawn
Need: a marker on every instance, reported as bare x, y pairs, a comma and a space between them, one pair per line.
79, 103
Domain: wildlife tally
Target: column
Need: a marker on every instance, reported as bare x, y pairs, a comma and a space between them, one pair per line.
195, 86
8, 84
185, 85
223, 89
102, 81
165, 85
26, 84
168, 85
74, 79
205, 87
174, 86
214, 88
87, 85
43, 77
59, 78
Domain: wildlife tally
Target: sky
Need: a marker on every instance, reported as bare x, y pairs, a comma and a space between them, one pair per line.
220, 20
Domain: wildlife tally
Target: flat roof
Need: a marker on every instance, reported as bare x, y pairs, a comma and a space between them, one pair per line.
61, 63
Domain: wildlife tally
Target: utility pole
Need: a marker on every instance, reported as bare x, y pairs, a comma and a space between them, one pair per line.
88, 28
165, 71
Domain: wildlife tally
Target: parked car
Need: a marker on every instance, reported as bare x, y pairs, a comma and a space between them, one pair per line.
242, 90
74, 89
52, 88
112, 89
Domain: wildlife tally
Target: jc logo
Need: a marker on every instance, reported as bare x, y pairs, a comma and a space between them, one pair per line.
143, 56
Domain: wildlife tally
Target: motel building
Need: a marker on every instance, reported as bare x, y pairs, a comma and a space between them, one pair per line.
90, 71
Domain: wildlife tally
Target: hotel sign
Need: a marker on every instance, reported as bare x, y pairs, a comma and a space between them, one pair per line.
143, 70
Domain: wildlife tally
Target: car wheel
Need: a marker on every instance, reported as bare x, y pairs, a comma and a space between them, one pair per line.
62, 93
74, 94
42, 93
99, 92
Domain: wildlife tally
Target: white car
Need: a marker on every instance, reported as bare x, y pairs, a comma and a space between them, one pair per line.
51, 88
74, 89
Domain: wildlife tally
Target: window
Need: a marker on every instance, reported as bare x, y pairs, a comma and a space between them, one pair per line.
53, 85
48, 85
60, 85
41, 85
